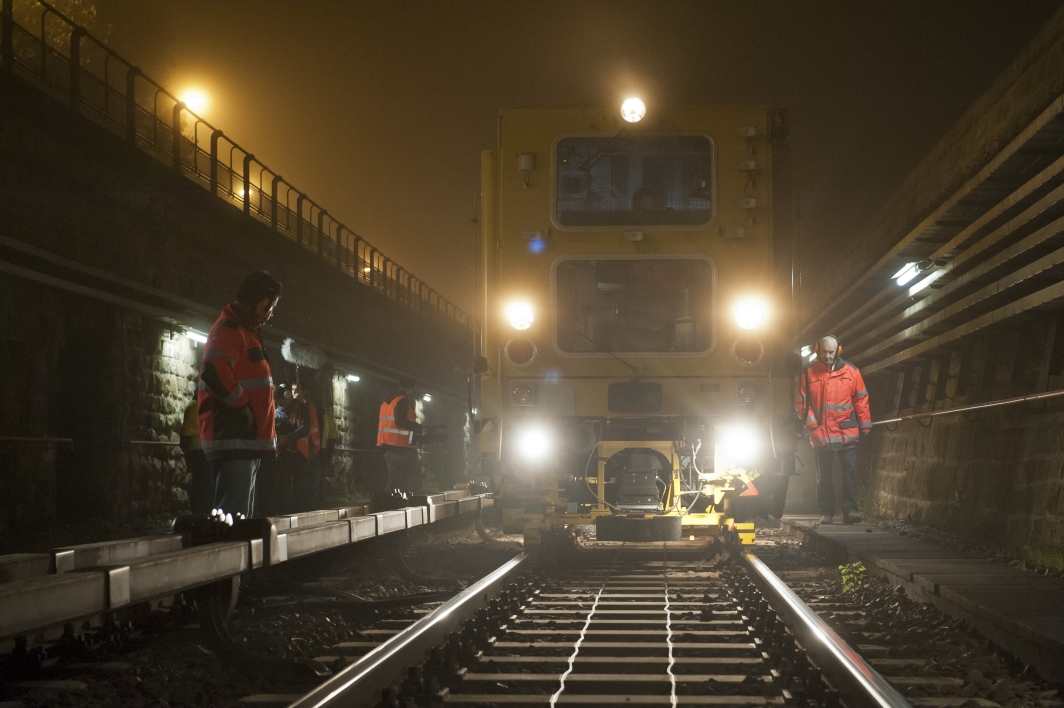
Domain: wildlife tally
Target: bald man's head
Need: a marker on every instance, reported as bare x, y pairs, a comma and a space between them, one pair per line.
828, 351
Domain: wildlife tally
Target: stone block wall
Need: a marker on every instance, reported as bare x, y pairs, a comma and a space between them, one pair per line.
995, 474
117, 382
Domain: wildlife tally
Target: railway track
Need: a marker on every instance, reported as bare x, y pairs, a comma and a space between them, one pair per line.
631, 624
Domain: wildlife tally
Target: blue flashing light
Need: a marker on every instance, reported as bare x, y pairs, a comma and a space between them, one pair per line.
537, 245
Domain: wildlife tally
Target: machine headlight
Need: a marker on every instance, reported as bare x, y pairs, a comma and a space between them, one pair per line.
534, 443
740, 443
522, 394
751, 313
519, 313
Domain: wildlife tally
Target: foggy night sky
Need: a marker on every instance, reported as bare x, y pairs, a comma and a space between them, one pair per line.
379, 110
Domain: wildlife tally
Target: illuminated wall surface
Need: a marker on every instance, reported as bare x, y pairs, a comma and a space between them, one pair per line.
97, 366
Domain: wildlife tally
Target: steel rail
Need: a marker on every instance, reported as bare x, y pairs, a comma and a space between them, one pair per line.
974, 407
45, 441
361, 683
858, 683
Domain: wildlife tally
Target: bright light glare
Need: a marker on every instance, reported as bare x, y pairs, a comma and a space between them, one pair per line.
195, 336
519, 313
751, 313
740, 443
534, 443
925, 282
907, 273
426, 398
195, 98
352, 378
807, 350
633, 110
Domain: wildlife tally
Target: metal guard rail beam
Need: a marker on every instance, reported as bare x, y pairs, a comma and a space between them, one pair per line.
974, 407
166, 141
858, 684
43, 590
361, 683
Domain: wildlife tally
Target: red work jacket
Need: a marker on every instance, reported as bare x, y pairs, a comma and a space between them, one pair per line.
837, 411
313, 437
388, 433
236, 408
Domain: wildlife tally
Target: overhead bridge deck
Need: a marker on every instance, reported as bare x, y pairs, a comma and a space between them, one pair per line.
41, 590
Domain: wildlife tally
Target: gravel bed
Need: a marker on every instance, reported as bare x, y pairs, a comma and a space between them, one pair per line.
918, 641
980, 548
175, 668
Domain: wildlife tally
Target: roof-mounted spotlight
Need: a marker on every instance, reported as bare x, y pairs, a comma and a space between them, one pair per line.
633, 110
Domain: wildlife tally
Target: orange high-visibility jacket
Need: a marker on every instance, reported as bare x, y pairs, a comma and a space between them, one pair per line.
235, 380
837, 412
314, 436
388, 433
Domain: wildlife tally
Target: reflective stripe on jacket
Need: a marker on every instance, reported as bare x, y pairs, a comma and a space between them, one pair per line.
388, 433
314, 436
235, 392
838, 412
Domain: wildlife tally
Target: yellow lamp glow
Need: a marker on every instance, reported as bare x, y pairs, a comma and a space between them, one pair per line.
195, 98
519, 313
633, 110
751, 313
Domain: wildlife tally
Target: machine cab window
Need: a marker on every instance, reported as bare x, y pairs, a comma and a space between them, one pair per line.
634, 181
634, 304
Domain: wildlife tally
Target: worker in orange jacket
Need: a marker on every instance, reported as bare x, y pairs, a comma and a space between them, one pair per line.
832, 400
236, 406
397, 433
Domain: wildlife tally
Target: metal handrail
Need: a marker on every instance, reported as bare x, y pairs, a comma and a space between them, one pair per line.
167, 142
974, 407
155, 443
362, 682
43, 441
857, 683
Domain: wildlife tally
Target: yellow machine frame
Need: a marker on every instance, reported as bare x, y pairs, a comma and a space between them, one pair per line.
518, 203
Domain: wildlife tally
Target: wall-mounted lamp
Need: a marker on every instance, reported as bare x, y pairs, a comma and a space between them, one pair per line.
352, 378
198, 337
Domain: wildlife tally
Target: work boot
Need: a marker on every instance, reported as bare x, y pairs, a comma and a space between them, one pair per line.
852, 517
827, 520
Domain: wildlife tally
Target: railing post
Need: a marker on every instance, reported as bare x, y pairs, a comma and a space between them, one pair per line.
131, 105
299, 217
321, 231
357, 266
214, 162
175, 128
277, 179
373, 266
7, 42
247, 182
387, 260
75, 66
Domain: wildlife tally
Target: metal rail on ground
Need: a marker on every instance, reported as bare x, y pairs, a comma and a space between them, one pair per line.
624, 624
43, 590
858, 683
362, 682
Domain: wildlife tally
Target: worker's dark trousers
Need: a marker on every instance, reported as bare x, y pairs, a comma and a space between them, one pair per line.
825, 487
201, 492
404, 469
234, 485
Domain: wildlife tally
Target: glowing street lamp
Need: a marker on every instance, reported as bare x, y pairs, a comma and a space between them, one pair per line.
195, 98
